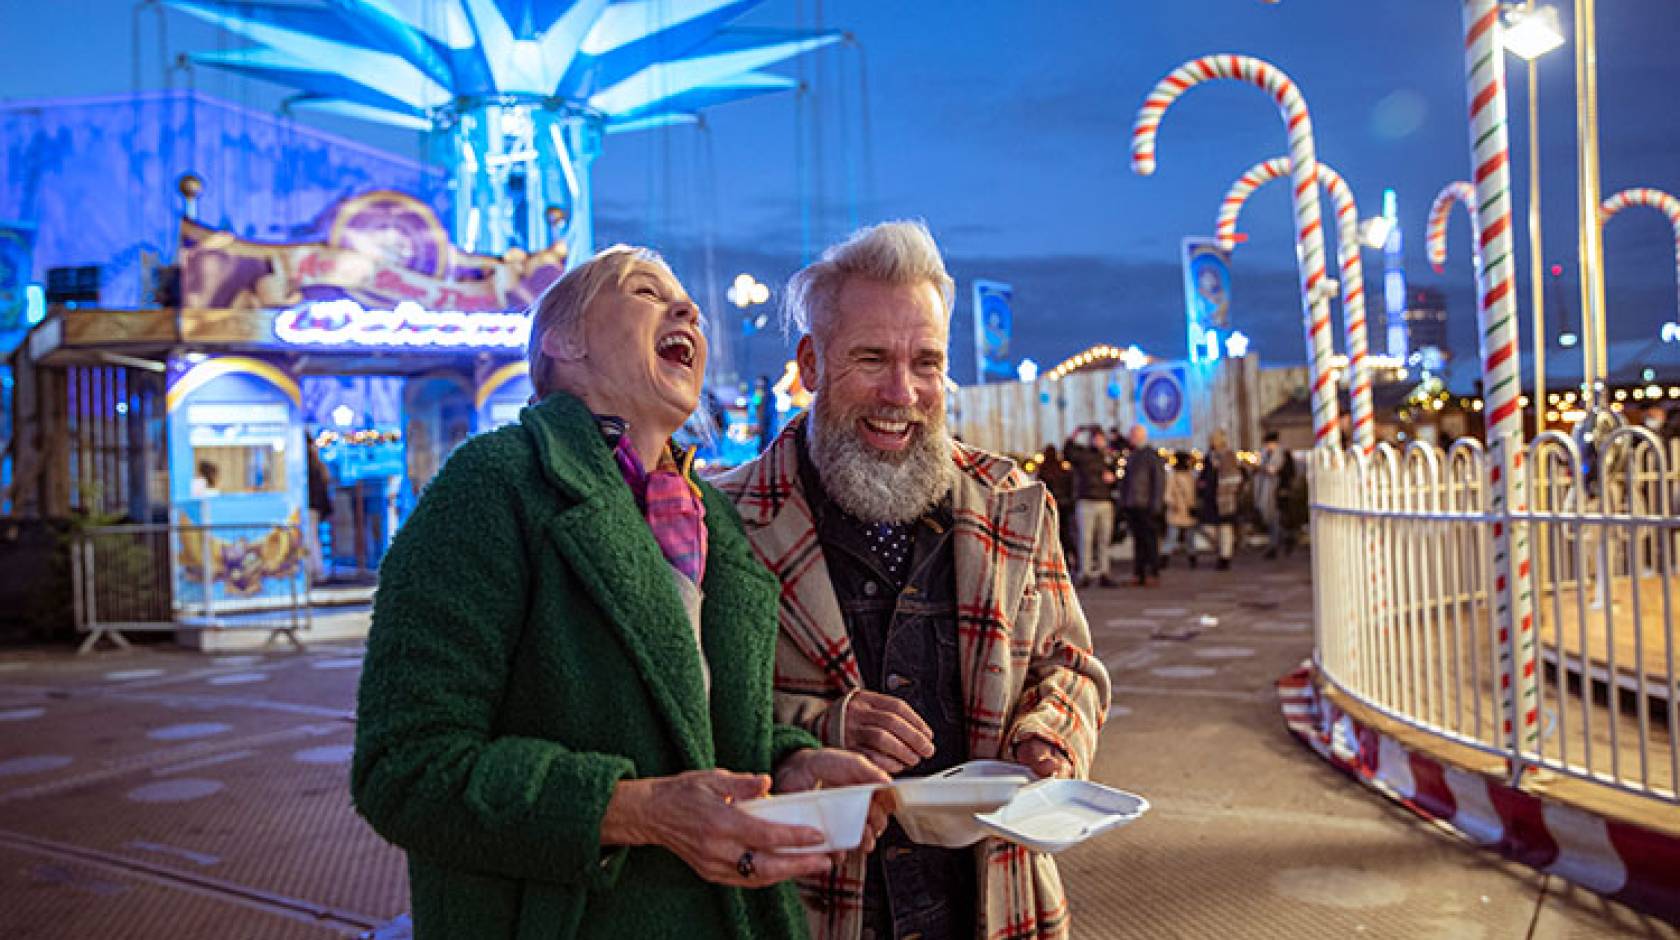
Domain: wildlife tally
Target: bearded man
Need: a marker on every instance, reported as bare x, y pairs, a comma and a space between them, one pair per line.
927, 618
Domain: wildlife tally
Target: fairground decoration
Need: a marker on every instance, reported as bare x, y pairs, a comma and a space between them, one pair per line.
1655, 199
993, 324
515, 97
1309, 229
1352, 279
1163, 401
347, 323
379, 249
1207, 297
1460, 192
1490, 156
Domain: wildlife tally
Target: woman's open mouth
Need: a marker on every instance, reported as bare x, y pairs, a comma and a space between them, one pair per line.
676, 348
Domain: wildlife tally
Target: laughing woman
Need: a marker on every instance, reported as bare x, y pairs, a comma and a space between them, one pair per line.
568, 678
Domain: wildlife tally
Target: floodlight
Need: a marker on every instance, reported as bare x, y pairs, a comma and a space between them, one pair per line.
1531, 32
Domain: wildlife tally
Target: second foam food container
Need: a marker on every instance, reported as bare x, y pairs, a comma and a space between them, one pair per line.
940, 809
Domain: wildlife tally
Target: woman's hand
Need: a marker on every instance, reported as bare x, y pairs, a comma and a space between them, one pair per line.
693, 814
811, 768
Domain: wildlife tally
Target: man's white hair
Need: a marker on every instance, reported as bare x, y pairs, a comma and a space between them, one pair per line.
899, 252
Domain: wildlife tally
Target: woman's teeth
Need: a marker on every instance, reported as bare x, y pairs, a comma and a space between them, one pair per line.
677, 348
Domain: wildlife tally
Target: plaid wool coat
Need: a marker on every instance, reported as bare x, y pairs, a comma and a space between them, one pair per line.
1025, 649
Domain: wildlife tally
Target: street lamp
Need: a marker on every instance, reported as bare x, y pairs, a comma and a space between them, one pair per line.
1374, 232
1530, 32
746, 292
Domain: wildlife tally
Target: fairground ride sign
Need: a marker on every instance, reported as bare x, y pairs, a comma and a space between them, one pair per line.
345, 323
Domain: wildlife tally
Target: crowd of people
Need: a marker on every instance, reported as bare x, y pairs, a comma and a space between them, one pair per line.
1110, 488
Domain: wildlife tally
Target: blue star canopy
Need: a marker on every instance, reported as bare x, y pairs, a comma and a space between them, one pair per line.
633, 63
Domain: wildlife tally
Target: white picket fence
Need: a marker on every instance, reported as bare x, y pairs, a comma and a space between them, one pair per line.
1403, 557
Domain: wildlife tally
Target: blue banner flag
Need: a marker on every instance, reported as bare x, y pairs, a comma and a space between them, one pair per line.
1163, 400
993, 322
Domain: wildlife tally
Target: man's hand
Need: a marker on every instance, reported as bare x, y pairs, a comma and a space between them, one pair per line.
885, 730
1043, 758
811, 768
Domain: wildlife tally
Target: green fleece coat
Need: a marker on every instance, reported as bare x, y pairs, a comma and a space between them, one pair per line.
529, 651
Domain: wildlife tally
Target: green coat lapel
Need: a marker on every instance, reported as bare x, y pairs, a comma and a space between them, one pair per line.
605, 539
739, 613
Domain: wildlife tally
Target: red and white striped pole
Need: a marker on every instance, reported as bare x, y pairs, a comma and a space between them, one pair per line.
1490, 155
1348, 249
1440, 210
1309, 228
1656, 199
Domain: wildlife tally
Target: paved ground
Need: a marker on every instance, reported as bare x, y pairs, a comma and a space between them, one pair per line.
162, 793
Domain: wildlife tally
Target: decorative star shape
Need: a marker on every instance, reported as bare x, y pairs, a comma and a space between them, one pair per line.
636, 63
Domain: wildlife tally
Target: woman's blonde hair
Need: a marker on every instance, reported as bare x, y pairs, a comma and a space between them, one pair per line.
562, 306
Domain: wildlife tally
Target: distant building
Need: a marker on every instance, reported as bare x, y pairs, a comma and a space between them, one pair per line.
1426, 320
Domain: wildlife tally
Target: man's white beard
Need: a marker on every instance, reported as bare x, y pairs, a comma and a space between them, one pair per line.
875, 485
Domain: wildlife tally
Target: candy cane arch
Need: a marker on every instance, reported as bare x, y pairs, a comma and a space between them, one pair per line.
1439, 211
1353, 274
1309, 228
1645, 196
1490, 155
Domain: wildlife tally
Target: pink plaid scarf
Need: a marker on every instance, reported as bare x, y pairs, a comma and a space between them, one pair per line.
670, 500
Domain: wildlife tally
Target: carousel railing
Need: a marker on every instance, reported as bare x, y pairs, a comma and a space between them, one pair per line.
1403, 547
174, 576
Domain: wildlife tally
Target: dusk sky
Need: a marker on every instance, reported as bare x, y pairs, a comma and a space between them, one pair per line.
1006, 126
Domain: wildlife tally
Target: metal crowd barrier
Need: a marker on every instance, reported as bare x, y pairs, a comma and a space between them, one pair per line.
1403, 576
123, 579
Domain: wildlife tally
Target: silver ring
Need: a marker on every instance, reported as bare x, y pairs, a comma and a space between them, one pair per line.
744, 865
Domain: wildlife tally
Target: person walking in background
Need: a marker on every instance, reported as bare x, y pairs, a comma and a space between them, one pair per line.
1218, 491
1093, 482
1180, 502
320, 509
1057, 477
1142, 491
1274, 479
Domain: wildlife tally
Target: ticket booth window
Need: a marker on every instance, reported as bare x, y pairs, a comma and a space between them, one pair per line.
238, 449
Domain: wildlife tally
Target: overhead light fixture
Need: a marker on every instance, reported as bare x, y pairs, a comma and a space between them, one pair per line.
1531, 33
1568, 340
1374, 232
